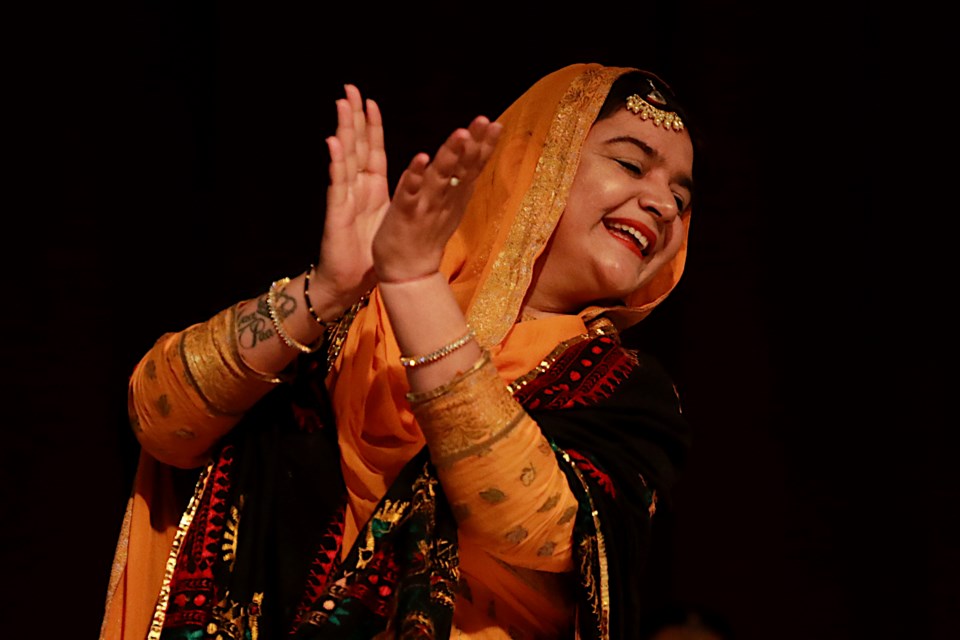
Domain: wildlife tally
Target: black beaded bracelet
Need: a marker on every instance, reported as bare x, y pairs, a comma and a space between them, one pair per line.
306, 297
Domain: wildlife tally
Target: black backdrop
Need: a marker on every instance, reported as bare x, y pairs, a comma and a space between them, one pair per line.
179, 151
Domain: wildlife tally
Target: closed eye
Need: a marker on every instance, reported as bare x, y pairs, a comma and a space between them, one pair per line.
631, 167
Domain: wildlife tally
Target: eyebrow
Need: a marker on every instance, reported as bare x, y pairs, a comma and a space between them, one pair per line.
685, 180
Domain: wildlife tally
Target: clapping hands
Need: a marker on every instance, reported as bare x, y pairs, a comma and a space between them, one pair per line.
368, 236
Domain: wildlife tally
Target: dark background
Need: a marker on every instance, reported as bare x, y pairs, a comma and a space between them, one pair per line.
174, 163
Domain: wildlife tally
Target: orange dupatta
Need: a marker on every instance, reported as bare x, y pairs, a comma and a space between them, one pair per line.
490, 260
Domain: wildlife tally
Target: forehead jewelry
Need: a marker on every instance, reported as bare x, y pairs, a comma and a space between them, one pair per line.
647, 111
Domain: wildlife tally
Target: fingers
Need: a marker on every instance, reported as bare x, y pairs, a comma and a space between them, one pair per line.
440, 186
360, 133
359, 125
339, 186
488, 142
377, 156
411, 181
347, 136
464, 154
447, 159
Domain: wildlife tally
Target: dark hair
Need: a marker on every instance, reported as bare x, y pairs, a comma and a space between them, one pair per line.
642, 83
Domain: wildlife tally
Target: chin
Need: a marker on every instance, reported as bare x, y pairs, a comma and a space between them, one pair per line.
620, 287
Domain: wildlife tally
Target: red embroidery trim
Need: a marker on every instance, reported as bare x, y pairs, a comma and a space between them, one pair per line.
587, 465
324, 563
584, 374
192, 589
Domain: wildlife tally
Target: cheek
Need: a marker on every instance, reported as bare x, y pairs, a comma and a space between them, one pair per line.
562, 247
580, 217
594, 189
673, 242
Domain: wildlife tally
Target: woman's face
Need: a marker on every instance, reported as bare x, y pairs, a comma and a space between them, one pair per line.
621, 223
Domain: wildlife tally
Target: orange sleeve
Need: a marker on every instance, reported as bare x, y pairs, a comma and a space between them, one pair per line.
190, 389
498, 471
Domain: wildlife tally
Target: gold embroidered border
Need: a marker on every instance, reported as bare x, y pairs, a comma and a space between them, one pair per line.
601, 608
476, 411
598, 327
338, 334
119, 560
163, 599
498, 302
481, 448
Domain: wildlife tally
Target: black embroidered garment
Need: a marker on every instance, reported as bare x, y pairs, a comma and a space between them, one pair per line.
259, 557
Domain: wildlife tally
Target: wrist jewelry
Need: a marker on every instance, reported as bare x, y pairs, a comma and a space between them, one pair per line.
469, 416
419, 397
306, 297
442, 352
278, 325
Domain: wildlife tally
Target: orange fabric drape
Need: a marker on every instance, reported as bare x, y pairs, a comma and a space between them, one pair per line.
151, 521
489, 262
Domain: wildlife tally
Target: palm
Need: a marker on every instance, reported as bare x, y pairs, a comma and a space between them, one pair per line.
427, 205
358, 196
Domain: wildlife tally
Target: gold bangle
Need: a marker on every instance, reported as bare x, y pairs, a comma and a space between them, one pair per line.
419, 397
442, 352
469, 416
213, 366
278, 325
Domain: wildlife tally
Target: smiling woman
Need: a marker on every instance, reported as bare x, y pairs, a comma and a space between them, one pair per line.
623, 219
435, 431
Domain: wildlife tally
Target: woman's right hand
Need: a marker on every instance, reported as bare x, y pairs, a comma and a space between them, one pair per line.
429, 202
357, 199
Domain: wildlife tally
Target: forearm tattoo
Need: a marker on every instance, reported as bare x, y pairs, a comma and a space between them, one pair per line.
286, 305
254, 328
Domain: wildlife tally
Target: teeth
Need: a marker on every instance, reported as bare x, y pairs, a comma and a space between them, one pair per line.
636, 235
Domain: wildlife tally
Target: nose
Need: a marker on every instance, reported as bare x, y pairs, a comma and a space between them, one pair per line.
659, 201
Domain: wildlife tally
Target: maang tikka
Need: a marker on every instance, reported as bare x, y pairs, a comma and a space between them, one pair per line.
644, 107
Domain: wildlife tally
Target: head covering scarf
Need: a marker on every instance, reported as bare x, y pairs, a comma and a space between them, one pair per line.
489, 262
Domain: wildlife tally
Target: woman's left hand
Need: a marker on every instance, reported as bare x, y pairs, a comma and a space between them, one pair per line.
429, 202
357, 200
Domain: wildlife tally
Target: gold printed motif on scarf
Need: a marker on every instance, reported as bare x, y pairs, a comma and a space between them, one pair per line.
499, 300
528, 475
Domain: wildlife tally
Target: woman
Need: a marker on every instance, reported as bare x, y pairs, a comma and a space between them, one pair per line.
435, 431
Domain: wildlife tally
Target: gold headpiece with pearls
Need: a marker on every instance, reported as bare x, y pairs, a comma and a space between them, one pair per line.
644, 107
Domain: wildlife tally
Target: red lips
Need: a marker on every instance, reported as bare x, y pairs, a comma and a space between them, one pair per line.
629, 239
